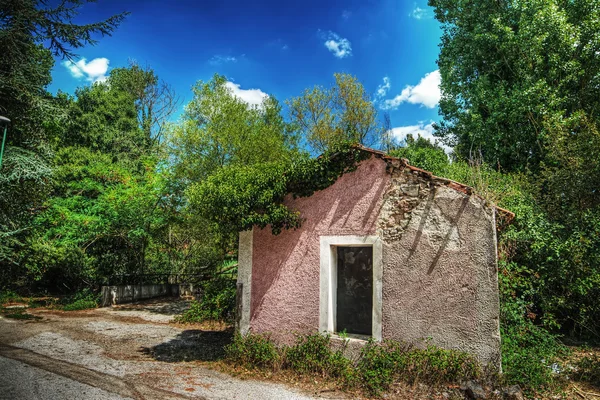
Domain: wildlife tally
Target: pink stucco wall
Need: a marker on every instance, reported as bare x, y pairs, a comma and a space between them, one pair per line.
285, 268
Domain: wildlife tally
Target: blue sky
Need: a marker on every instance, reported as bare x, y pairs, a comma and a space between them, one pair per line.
274, 47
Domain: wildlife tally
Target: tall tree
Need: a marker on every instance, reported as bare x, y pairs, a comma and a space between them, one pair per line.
219, 129
341, 113
155, 100
519, 89
513, 73
109, 211
31, 32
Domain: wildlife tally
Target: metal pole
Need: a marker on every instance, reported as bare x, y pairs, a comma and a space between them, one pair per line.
5, 121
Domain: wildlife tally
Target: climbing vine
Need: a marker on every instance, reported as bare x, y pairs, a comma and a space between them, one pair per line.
236, 198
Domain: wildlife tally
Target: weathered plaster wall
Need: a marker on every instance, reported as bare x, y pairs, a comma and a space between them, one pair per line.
439, 260
285, 268
439, 266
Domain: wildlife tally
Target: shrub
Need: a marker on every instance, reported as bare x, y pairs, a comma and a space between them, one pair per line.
253, 351
217, 302
588, 370
7, 296
382, 364
81, 304
313, 354
81, 300
528, 356
379, 365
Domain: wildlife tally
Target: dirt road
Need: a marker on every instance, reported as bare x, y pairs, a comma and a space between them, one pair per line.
130, 352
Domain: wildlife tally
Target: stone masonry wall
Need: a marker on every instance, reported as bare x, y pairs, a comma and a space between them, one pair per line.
440, 278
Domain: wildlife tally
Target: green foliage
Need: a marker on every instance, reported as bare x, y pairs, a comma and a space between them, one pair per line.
31, 32
513, 70
216, 304
329, 116
211, 153
8, 296
219, 129
80, 305
588, 370
379, 364
314, 354
528, 354
240, 197
81, 300
19, 313
421, 153
519, 84
253, 351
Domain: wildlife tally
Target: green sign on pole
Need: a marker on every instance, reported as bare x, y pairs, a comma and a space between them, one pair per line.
4, 121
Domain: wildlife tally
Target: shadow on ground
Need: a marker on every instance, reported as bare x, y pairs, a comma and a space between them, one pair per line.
164, 306
192, 345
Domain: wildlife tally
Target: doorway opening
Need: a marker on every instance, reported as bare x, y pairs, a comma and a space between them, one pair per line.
351, 275
354, 292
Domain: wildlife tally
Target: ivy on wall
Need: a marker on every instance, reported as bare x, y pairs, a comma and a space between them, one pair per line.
236, 198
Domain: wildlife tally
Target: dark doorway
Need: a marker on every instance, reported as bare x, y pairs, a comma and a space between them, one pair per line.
354, 308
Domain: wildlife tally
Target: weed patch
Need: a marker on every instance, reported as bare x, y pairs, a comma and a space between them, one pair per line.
253, 351
313, 354
8, 296
377, 368
588, 370
82, 300
217, 302
17, 313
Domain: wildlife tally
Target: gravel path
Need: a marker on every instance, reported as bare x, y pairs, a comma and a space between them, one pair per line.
36, 383
129, 352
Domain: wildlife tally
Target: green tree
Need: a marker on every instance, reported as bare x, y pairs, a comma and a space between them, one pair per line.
519, 93
514, 70
30, 33
341, 113
155, 100
219, 129
421, 153
109, 211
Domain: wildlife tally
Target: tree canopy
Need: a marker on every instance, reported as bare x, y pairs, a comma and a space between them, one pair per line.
342, 113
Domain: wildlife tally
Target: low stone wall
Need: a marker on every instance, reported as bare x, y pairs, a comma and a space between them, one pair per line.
119, 294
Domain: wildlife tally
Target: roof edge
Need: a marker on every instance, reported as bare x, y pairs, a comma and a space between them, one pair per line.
506, 216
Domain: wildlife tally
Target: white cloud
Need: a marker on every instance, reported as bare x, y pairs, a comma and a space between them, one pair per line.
340, 47
422, 129
219, 59
278, 43
383, 89
93, 71
346, 14
426, 92
420, 13
253, 97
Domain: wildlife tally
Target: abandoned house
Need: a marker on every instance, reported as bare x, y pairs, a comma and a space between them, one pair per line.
388, 251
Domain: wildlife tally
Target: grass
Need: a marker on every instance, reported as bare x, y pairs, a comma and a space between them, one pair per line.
587, 369
81, 304
379, 366
8, 296
19, 313
83, 300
